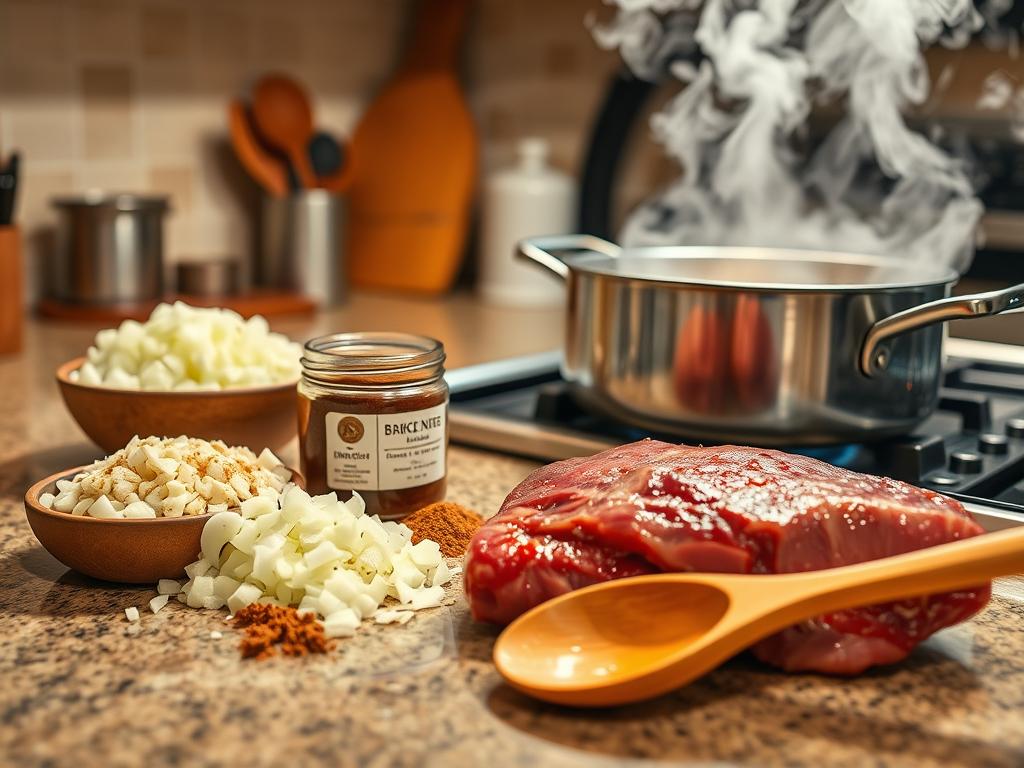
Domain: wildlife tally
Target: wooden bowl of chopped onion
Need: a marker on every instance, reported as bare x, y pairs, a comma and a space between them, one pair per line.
199, 371
125, 550
259, 417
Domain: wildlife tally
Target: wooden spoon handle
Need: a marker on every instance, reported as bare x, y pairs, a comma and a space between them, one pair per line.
943, 568
303, 168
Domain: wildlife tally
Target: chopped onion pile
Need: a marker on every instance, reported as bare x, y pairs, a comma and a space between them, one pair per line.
186, 348
169, 477
318, 554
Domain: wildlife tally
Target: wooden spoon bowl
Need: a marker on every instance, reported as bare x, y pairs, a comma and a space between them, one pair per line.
128, 551
257, 417
284, 116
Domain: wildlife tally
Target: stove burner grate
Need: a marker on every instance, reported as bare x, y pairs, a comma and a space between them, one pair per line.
836, 455
973, 446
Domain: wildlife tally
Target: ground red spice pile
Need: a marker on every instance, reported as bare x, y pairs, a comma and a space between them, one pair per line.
267, 626
450, 525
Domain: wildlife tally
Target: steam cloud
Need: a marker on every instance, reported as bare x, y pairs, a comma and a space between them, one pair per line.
739, 127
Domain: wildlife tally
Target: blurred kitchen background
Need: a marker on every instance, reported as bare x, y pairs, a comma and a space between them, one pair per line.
133, 96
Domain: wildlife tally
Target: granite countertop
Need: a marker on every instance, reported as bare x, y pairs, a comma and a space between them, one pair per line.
80, 686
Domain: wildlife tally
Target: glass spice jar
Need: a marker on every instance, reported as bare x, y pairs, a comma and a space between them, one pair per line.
373, 418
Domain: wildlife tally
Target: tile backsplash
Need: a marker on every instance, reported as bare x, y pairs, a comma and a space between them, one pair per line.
131, 95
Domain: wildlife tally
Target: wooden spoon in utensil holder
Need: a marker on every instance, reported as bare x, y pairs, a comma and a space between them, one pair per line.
284, 117
265, 169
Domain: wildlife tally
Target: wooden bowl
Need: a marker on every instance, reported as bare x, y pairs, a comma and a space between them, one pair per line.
257, 417
128, 551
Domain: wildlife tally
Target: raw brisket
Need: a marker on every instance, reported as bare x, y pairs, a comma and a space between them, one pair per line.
651, 506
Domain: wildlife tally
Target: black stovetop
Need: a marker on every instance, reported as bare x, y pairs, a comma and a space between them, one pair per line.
972, 447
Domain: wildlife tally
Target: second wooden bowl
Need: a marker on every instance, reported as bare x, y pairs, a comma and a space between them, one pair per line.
257, 417
127, 551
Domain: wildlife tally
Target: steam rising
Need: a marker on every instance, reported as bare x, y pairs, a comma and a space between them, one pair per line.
739, 128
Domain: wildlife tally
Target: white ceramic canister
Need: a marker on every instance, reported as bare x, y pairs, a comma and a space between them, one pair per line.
531, 198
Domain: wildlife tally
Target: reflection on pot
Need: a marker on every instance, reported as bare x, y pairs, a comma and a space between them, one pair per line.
702, 360
754, 365
725, 359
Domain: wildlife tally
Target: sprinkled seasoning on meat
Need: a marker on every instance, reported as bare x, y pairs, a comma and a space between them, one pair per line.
651, 506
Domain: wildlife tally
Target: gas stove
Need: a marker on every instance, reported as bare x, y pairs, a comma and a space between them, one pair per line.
971, 448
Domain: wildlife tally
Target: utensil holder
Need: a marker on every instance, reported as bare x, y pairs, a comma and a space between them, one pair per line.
12, 310
302, 247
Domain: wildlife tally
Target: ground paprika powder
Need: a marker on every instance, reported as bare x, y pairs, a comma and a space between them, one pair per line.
450, 525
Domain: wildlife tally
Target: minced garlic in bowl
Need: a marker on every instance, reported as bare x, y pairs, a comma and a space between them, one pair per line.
169, 477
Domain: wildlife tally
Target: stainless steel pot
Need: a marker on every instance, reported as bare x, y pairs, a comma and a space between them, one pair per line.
771, 346
109, 249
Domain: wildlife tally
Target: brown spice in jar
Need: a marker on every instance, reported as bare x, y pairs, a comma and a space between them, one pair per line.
450, 525
267, 626
313, 454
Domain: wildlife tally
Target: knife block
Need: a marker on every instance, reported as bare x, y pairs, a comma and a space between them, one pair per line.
12, 310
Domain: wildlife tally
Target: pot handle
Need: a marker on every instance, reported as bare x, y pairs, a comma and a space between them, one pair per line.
544, 250
874, 354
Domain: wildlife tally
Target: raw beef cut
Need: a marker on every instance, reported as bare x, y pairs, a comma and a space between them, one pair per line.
651, 506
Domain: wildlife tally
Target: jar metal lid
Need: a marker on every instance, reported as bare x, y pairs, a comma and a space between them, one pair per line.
373, 359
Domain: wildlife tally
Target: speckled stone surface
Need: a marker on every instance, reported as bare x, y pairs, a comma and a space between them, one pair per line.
79, 686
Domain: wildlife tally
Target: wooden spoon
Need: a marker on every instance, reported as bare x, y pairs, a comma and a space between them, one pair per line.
284, 118
265, 169
632, 639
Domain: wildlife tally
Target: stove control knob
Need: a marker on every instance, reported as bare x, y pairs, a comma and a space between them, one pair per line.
942, 480
1015, 428
964, 463
993, 444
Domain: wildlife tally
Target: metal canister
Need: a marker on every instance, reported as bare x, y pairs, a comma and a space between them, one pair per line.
109, 248
209, 278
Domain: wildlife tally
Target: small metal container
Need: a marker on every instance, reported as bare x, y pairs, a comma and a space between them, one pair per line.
302, 248
763, 345
109, 248
215, 277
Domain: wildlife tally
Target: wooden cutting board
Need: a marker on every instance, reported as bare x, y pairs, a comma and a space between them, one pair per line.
415, 164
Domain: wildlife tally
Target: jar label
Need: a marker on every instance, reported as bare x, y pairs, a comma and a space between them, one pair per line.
386, 452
